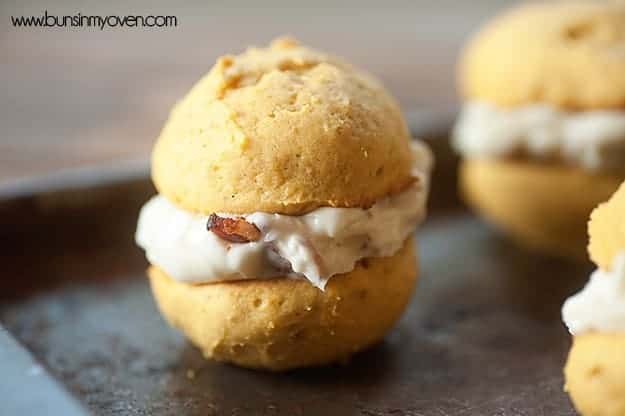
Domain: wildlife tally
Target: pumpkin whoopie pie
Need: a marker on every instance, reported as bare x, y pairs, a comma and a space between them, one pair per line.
595, 370
289, 189
542, 127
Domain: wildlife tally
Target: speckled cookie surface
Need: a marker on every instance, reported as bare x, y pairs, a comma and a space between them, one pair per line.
286, 323
543, 205
566, 54
595, 374
606, 229
282, 129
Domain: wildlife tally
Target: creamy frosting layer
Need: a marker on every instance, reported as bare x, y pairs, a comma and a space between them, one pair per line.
594, 140
316, 245
600, 306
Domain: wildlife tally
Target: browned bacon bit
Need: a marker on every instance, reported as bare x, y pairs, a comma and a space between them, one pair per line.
235, 230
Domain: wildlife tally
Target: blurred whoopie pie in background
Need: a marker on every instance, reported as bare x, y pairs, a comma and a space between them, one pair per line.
542, 127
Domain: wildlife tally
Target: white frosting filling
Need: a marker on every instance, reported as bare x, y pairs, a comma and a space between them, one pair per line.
590, 139
316, 245
600, 306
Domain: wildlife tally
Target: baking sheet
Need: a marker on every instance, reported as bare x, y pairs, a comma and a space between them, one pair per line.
482, 335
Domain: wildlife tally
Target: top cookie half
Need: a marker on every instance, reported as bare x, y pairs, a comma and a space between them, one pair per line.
569, 54
606, 230
282, 129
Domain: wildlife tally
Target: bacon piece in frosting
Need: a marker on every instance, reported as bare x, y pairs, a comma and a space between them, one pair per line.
234, 230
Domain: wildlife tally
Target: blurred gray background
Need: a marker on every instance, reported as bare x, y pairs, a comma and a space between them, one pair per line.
76, 96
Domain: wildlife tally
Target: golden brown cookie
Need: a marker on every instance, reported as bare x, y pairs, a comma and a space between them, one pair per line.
543, 205
595, 374
563, 53
285, 323
606, 229
283, 129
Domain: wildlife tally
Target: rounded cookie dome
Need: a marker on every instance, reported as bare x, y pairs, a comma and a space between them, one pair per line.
567, 54
283, 129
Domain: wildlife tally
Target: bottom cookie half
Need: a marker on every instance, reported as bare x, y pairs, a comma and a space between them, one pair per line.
595, 374
544, 206
285, 323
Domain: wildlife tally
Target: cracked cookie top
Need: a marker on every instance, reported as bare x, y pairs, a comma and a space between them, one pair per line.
282, 129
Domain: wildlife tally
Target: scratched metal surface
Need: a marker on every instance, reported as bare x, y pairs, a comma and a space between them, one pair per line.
482, 335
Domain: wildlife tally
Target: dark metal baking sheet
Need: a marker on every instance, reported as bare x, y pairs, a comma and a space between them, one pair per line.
482, 335
43, 396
